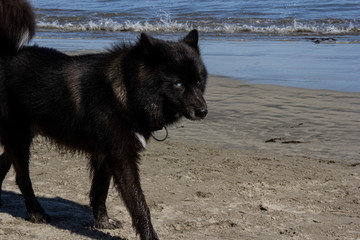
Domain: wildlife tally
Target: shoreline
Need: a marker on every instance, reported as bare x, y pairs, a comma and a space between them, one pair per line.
281, 63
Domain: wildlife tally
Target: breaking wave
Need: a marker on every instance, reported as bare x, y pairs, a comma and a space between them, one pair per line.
110, 25
167, 25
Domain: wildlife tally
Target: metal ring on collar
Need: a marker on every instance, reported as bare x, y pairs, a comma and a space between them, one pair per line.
162, 139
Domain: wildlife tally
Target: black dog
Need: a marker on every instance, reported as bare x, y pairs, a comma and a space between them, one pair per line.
105, 105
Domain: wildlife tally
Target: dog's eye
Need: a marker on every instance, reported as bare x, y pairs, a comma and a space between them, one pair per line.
178, 84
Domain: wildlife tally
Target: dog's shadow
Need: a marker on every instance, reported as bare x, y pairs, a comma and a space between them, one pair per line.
65, 214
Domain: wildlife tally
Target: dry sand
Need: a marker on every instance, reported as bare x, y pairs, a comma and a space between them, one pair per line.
268, 162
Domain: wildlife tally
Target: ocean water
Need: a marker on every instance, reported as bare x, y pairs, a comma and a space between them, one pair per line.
301, 43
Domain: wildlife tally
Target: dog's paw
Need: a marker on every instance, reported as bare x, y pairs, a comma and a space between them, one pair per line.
39, 217
109, 223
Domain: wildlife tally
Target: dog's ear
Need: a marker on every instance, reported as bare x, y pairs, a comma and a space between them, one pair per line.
146, 41
192, 39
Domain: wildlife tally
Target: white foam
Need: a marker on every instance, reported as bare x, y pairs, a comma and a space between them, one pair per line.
168, 25
110, 25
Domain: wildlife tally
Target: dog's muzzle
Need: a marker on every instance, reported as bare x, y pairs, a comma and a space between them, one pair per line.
196, 106
196, 113
201, 113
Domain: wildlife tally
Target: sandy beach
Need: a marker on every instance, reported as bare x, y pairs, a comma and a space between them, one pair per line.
268, 162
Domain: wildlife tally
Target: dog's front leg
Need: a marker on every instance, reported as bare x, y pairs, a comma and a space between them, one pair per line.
127, 180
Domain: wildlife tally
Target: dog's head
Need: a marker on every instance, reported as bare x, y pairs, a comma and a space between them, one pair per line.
173, 77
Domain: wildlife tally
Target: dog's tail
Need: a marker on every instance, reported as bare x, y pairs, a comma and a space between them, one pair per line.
17, 25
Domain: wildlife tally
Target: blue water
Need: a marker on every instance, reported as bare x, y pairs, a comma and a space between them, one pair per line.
269, 42
234, 19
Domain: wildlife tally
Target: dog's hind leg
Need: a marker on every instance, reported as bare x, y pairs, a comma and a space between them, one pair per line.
5, 164
127, 180
98, 194
17, 149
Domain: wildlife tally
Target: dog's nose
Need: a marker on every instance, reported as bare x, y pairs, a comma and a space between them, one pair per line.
201, 112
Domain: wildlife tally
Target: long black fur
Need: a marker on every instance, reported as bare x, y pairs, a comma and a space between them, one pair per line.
105, 104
